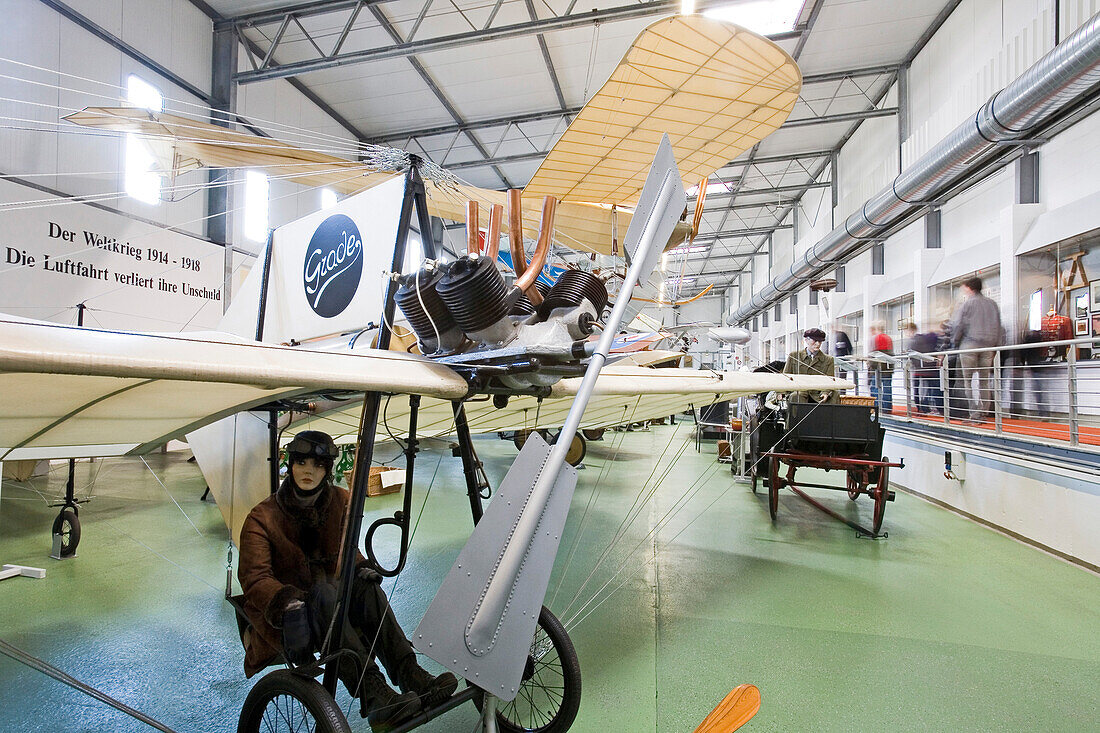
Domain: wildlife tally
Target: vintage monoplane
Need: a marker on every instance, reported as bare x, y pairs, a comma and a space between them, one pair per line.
65, 391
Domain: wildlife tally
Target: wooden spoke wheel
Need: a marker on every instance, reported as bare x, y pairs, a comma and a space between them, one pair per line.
774, 485
881, 494
855, 485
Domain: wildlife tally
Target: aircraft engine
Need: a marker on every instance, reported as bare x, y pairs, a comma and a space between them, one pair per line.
428, 315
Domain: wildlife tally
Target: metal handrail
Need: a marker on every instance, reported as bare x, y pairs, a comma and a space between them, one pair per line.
1036, 401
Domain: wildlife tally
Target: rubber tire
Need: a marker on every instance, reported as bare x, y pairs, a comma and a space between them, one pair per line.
307, 692
774, 484
594, 433
519, 437
882, 491
571, 684
67, 525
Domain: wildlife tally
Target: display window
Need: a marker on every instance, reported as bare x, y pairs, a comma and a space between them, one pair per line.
1059, 288
946, 296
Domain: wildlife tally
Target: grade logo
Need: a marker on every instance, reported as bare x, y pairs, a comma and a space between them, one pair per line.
333, 266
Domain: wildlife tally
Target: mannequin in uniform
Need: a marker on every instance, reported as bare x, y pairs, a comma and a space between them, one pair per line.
812, 360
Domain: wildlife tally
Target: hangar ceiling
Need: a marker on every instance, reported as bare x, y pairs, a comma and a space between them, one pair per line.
486, 87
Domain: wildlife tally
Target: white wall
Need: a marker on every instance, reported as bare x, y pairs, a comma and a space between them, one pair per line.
1060, 511
61, 68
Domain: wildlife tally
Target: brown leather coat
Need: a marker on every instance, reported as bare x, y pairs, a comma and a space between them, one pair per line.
284, 552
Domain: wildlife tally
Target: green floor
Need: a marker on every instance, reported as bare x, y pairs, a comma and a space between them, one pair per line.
946, 625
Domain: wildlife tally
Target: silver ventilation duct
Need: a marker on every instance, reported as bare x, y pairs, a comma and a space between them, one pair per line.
1069, 70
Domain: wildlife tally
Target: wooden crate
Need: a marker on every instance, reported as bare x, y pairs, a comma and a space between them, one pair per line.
723, 450
376, 485
861, 400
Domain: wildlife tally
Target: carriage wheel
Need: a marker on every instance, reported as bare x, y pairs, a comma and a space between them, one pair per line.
550, 693
774, 485
854, 487
284, 702
882, 490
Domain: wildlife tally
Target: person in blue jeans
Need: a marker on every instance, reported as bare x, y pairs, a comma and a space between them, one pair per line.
881, 372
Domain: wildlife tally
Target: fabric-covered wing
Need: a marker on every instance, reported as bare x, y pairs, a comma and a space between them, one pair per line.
69, 392
623, 394
580, 226
715, 88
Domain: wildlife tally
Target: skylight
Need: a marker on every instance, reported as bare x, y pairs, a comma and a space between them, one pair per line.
761, 16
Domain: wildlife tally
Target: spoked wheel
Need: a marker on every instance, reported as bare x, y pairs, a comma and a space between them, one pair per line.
550, 694
854, 485
593, 433
882, 492
774, 485
283, 702
67, 525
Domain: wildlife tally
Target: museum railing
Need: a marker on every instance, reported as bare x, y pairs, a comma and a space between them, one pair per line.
1047, 392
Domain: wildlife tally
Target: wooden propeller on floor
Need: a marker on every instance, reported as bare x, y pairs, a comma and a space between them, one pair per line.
736, 709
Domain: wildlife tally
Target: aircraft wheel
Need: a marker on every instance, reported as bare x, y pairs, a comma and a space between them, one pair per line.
283, 702
593, 434
882, 492
550, 694
519, 437
578, 448
774, 485
67, 525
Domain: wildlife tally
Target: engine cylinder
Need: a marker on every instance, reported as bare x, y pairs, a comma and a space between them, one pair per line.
573, 287
524, 306
428, 315
475, 293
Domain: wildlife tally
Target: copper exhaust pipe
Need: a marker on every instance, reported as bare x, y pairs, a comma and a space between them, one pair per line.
473, 246
515, 231
526, 281
492, 239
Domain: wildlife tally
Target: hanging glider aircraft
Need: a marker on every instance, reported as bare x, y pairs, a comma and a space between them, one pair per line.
716, 89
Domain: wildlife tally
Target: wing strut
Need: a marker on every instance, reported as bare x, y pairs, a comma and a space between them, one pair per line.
368, 423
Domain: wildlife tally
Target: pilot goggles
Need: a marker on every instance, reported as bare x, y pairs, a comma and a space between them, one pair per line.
306, 447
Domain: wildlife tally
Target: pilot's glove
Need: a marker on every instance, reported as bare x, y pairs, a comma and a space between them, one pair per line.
297, 640
368, 574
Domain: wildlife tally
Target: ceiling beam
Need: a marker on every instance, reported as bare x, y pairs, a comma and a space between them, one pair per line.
401, 48
865, 114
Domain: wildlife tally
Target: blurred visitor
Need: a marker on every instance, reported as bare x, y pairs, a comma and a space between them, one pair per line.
977, 324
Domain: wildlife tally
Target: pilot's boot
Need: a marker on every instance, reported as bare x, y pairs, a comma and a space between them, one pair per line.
432, 690
383, 708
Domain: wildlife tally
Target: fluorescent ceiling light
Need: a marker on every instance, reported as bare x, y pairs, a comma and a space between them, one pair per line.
761, 16
685, 249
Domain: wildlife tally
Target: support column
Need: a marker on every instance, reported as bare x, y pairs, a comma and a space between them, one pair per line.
224, 103
926, 260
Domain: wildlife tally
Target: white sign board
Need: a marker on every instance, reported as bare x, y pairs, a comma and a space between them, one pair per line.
328, 271
130, 274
